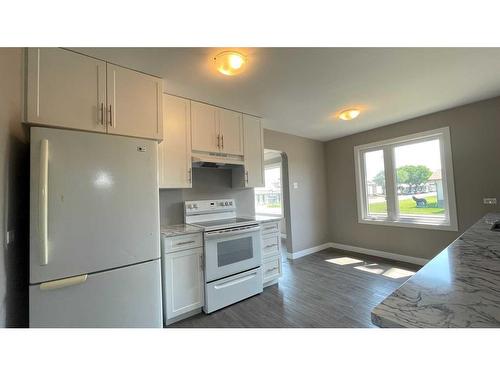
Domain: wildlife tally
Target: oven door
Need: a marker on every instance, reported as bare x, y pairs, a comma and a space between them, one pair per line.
230, 252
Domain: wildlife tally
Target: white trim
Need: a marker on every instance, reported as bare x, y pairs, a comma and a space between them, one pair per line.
302, 253
443, 134
380, 254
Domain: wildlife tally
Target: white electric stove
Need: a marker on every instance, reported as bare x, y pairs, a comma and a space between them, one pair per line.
232, 251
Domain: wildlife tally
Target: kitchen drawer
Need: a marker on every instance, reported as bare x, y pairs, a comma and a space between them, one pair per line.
272, 227
183, 242
271, 269
270, 246
232, 289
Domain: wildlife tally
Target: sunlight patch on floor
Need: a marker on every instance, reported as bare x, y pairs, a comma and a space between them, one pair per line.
372, 268
343, 261
397, 273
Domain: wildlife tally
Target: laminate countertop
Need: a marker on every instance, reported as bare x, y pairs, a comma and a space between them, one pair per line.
179, 230
460, 287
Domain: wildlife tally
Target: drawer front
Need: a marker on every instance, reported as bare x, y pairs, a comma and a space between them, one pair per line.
177, 243
270, 246
271, 269
268, 228
229, 290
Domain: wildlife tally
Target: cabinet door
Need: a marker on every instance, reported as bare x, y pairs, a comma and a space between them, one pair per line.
65, 89
204, 127
174, 153
134, 103
231, 132
254, 151
184, 284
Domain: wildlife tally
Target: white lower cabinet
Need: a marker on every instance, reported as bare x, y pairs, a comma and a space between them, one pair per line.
183, 281
271, 252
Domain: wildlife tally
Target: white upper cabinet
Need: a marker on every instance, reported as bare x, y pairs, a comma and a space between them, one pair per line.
65, 89
134, 103
70, 90
205, 127
254, 152
231, 132
216, 129
174, 153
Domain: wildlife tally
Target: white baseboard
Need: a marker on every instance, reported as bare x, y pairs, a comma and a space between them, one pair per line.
302, 253
378, 253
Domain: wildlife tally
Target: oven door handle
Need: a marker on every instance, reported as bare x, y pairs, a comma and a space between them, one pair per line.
231, 233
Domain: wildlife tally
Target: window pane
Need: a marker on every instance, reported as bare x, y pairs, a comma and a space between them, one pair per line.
418, 180
375, 183
268, 200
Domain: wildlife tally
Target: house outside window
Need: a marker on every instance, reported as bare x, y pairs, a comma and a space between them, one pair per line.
407, 181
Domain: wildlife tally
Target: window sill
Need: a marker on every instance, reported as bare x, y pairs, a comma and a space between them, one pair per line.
408, 223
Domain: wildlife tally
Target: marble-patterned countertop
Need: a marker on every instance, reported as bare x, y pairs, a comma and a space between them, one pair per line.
179, 230
460, 287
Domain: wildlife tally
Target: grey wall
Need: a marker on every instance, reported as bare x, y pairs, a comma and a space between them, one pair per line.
475, 143
208, 183
308, 225
14, 193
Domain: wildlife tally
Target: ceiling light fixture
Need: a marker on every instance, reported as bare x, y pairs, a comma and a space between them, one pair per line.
230, 63
349, 114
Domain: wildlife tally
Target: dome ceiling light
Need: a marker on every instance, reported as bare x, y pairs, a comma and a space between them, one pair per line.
230, 63
349, 114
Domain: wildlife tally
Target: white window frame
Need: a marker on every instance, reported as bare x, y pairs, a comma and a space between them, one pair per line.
393, 218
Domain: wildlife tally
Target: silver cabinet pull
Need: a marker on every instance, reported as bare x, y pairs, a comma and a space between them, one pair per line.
111, 116
272, 269
268, 246
222, 137
102, 113
218, 141
189, 176
246, 177
201, 262
184, 243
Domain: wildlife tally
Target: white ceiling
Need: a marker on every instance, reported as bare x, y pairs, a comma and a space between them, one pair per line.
299, 90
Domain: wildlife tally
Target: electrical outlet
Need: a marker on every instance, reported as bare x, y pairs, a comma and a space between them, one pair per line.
295, 185
489, 200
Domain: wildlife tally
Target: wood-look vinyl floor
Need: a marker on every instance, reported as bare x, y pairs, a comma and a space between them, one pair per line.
328, 289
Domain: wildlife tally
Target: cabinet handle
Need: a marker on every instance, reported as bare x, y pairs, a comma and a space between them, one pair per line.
218, 141
222, 137
268, 246
190, 177
102, 113
184, 243
246, 177
201, 262
272, 269
111, 116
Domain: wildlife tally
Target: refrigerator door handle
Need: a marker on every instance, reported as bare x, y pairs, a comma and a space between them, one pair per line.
43, 202
62, 283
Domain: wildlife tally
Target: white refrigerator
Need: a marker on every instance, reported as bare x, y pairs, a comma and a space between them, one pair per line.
94, 231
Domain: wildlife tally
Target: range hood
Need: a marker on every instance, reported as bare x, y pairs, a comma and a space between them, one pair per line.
215, 160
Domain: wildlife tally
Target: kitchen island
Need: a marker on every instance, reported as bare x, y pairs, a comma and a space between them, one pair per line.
460, 287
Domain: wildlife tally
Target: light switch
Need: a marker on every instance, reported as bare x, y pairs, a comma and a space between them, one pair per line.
489, 200
10, 237
295, 185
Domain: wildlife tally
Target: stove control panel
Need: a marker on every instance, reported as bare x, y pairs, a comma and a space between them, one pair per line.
209, 206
